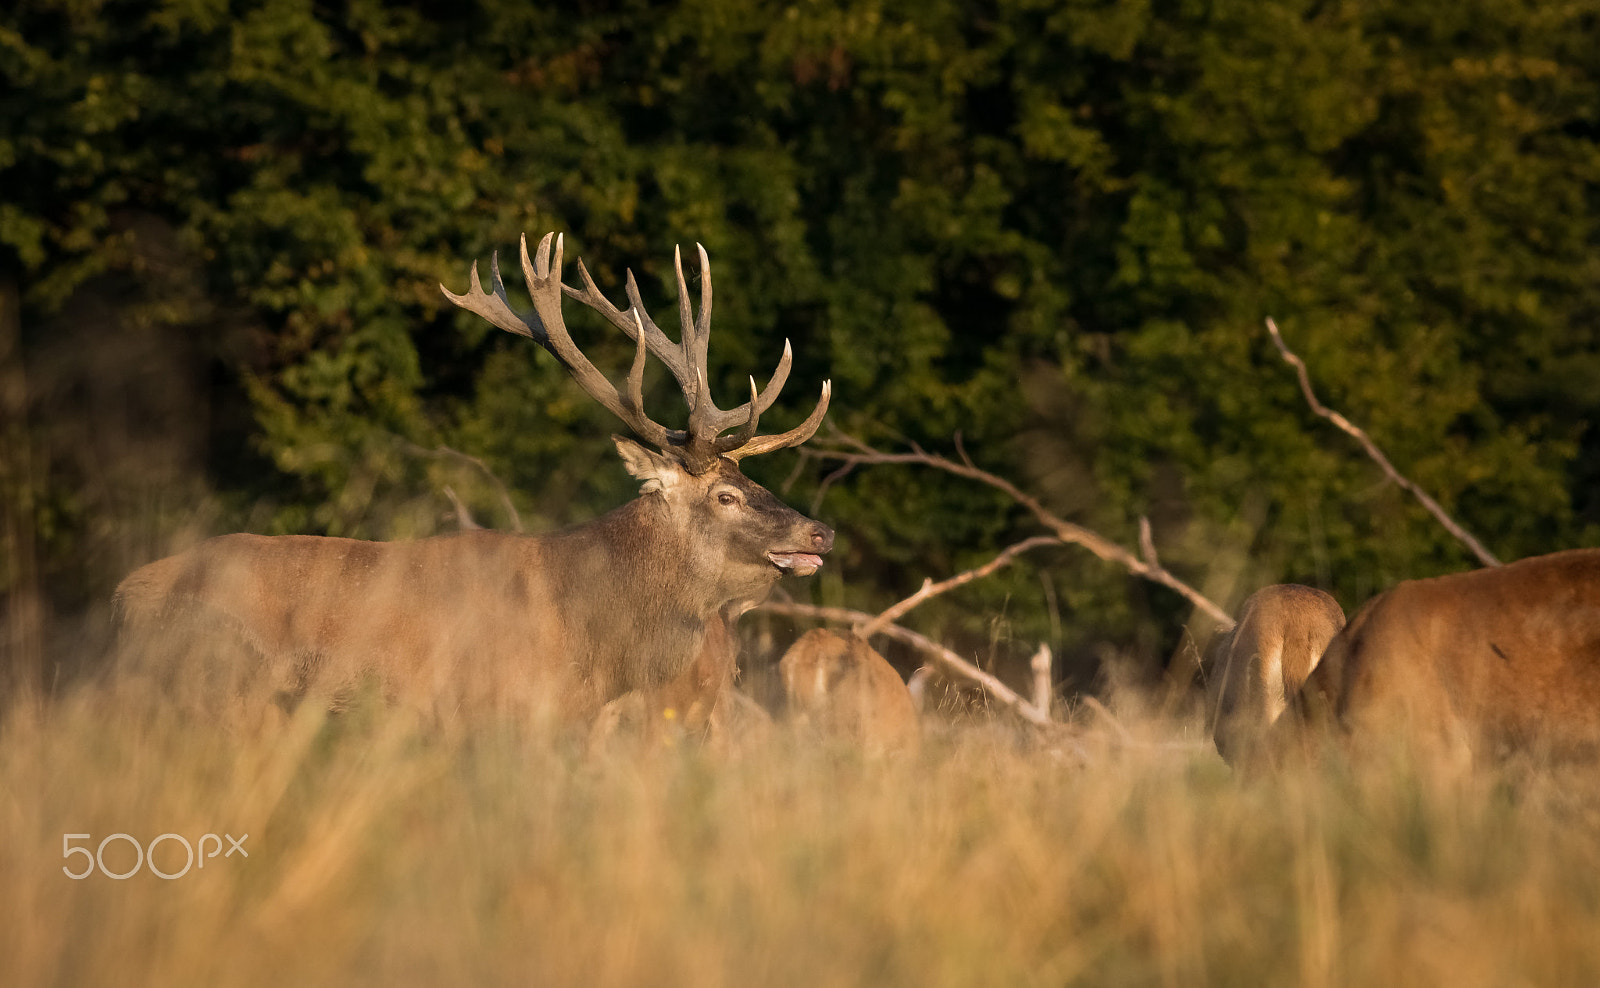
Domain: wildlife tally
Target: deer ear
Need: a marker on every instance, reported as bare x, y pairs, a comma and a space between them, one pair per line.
658, 472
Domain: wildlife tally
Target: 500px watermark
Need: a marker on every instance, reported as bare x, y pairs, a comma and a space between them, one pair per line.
144, 855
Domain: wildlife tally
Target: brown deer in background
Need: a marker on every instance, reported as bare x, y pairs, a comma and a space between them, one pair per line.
567, 621
1467, 666
838, 685
1258, 665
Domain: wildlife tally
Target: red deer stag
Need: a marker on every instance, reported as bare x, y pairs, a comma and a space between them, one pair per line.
567, 621
838, 685
1259, 664
1468, 666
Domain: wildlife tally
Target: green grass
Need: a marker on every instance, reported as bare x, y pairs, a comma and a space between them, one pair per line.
387, 852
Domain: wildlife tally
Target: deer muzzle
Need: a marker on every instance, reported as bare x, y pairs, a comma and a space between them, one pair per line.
804, 562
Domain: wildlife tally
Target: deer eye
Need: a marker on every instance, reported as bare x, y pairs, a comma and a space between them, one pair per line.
727, 499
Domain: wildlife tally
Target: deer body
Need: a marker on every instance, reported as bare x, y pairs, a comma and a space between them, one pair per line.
837, 684
323, 617
571, 620
1471, 664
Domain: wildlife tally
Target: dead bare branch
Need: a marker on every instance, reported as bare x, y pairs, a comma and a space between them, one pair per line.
931, 589
464, 519
827, 482
1484, 555
917, 686
948, 662
1147, 542
445, 452
962, 451
855, 452
1104, 713
1043, 685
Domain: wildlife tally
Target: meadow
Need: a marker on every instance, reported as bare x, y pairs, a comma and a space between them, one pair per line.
389, 851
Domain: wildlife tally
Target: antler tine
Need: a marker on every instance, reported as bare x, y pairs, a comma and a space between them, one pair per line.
630, 287
779, 378
794, 437
636, 373
702, 326
544, 286
496, 308
765, 398
748, 431
536, 274
544, 252
705, 418
665, 350
700, 444
693, 353
500, 293
696, 342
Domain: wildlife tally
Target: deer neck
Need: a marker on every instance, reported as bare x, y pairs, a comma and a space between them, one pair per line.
630, 579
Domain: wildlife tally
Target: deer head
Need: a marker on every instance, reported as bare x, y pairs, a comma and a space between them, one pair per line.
738, 533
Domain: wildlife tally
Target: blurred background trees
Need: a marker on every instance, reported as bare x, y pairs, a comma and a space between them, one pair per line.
1054, 227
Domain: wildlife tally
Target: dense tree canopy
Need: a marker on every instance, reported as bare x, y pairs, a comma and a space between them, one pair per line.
1054, 227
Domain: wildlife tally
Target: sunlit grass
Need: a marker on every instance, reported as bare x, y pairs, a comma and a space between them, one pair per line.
386, 851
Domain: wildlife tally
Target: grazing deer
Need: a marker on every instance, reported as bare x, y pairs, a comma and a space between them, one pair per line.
569, 620
838, 685
1470, 665
1259, 664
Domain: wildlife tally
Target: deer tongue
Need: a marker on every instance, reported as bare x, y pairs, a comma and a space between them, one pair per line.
798, 563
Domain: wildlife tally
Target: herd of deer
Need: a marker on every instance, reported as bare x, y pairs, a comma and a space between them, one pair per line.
1465, 667
628, 619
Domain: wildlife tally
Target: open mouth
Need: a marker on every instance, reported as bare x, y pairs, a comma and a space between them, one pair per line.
797, 563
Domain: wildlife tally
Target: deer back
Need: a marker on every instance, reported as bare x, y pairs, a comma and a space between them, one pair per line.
1471, 664
838, 685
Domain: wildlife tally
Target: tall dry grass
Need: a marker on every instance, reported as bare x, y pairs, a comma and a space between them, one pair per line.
386, 851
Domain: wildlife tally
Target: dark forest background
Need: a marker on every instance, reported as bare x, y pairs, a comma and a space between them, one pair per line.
1052, 227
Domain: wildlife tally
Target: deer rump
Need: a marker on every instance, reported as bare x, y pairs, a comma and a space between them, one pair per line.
1259, 664
1470, 665
567, 621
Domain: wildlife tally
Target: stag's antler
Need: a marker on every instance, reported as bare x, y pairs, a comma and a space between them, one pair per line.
699, 445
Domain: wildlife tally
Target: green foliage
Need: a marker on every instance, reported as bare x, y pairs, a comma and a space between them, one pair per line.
1054, 227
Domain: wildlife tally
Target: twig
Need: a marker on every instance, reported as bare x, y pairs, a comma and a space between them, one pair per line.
962, 451
1105, 714
1043, 687
1064, 530
464, 517
794, 475
1484, 555
917, 686
1147, 543
827, 482
445, 451
931, 589
948, 662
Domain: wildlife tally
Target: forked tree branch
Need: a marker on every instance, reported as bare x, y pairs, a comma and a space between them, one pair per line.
930, 589
1149, 568
948, 662
464, 519
445, 452
1484, 555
